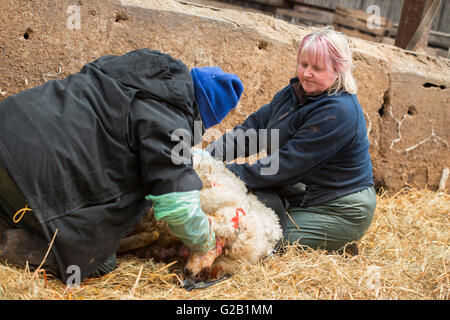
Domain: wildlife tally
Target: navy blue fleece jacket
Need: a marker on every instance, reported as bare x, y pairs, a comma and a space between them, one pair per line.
322, 143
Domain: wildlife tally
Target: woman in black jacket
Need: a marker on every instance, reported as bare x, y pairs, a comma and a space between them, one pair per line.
318, 159
81, 158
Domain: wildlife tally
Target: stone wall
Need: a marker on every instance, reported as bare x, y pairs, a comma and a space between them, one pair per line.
405, 95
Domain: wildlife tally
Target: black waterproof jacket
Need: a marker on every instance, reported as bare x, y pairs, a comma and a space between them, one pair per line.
86, 150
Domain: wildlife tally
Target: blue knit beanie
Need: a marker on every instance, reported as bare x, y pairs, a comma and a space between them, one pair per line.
216, 93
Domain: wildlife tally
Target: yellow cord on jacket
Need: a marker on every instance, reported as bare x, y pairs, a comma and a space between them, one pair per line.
21, 212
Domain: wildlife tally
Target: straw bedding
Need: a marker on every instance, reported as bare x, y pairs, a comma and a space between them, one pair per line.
404, 255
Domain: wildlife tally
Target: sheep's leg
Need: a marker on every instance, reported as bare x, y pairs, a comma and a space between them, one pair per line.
137, 241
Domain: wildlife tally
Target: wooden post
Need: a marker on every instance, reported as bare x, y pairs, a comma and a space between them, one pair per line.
415, 23
420, 38
409, 21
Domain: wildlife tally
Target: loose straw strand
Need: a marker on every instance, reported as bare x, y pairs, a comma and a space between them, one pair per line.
46, 254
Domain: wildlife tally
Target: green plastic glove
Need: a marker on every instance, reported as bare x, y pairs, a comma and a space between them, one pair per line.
187, 221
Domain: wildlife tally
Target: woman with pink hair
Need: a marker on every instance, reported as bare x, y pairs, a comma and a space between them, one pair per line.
324, 171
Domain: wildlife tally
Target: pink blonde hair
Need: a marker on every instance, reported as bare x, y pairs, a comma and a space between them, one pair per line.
328, 47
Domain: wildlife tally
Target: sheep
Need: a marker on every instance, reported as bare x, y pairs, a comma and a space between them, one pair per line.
246, 229
250, 228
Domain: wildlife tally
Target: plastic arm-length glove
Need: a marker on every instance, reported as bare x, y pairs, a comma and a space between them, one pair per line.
186, 219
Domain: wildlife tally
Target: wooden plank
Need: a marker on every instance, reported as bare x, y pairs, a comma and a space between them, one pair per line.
439, 39
322, 16
389, 28
357, 24
276, 3
308, 14
300, 3
265, 6
358, 14
358, 34
319, 3
436, 52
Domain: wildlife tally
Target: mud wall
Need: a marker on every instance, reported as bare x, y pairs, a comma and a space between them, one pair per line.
405, 95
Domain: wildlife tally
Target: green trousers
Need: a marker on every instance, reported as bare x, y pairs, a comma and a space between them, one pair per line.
334, 224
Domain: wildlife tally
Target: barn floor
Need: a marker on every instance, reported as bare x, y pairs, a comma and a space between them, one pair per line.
405, 255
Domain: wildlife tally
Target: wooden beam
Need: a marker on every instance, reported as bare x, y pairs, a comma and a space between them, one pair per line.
349, 21
305, 14
277, 3
415, 13
409, 21
424, 27
310, 5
